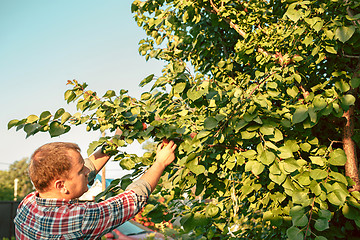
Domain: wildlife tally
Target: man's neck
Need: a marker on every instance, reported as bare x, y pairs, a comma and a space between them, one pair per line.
53, 195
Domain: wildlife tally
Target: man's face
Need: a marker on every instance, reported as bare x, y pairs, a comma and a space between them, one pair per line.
77, 180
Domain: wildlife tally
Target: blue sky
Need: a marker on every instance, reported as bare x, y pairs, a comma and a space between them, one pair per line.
45, 43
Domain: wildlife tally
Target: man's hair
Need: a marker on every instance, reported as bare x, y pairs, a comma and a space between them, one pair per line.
49, 162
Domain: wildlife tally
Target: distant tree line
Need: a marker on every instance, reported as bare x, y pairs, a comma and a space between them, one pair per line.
16, 170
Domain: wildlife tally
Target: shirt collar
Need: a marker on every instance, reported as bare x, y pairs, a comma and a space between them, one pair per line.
53, 202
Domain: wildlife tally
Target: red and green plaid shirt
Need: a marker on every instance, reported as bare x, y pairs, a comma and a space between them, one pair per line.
39, 218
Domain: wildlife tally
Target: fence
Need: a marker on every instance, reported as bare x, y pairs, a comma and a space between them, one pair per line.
8, 212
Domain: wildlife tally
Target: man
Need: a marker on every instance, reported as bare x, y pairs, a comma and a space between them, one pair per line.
60, 176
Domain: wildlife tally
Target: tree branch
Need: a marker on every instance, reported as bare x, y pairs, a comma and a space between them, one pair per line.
351, 13
351, 166
231, 23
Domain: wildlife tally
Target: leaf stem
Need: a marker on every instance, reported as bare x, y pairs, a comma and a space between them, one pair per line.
310, 216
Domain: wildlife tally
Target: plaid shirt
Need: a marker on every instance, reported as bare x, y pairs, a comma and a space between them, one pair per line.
40, 218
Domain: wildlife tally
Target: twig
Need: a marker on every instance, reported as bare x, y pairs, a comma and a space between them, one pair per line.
231, 23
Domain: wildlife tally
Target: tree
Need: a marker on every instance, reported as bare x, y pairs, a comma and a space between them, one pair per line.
266, 122
17, 170
6, 189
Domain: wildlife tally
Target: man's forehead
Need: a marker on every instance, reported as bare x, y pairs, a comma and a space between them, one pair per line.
76, 157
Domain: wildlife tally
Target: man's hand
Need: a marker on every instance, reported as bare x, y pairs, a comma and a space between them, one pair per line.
164, 156
165, 153
98, 158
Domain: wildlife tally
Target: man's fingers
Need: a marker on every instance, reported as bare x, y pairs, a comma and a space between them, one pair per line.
170, 145
160, 146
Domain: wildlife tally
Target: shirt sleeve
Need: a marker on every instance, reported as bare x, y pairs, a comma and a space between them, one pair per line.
140, 187
90, 165
101, 218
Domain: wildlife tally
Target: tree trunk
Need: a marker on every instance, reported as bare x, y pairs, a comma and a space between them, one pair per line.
351, 166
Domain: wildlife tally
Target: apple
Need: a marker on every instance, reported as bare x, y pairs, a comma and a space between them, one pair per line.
192, 135
165, 141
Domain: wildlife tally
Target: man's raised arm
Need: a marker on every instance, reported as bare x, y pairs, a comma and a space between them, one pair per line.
164, 156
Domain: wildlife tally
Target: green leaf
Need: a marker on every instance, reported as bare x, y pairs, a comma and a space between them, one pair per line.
127, 163
320, 238
195, 94
290, 165
351, 212
59, 113
69, 96
305, 147
330, 49
293, 14
317, 174
346, 101
337, 157
355, 82
267, 129
297, 210
300, 115
146, 80
146, 96
285, 152
321, 224
293, 92
109, 94
298, 216
179, 87
240, 124
197, 169
275, 169
277, 178
301, 197
278, 136
65, 117
300, 221
44, 118
342, 86
191, 220
271, 145
266, 157
210, 123
294, 233
221, 64
93, 146
297, 77
202, 134
211, 210
338, 177
319, 103
317, 160
344, 33
337, 197
325, 214
32, 118
304, 178
187, 221
31, 128
249, 154
56, 129
257, 168
315, 188
13, 123
247, 135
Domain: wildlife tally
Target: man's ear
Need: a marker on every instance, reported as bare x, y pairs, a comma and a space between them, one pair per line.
60, 186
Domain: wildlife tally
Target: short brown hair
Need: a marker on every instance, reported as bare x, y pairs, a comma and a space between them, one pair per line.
49, 162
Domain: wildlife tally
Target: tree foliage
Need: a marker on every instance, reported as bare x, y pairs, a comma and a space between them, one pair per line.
261, 97
17, 170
